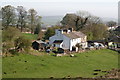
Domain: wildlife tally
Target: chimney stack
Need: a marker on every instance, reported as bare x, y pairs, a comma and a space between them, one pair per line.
59, 31
71, 29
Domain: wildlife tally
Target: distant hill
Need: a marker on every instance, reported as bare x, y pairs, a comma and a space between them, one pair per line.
106, 19
51, 20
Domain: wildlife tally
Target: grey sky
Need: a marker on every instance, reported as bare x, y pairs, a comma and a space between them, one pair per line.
101, 8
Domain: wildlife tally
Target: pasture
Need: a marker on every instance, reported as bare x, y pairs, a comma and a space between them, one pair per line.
46, 66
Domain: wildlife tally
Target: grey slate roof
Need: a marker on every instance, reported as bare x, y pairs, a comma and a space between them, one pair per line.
74, 35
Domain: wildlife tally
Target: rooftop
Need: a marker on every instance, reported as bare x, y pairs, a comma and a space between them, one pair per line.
74, 35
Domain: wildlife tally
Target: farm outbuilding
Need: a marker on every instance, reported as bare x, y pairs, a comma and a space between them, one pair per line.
39, 45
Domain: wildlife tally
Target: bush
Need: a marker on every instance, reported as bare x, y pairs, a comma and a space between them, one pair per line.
8, 37
13, 42
10, 34
22, 44
50, 32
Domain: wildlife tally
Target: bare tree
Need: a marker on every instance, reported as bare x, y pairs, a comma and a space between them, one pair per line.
83, 14
22, 15
95, 20
8, 16
82, 19
32, 16
38, 25
69, 21
85, 18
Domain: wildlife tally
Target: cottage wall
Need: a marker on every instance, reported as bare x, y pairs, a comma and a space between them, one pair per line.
66, 40
55, 37
67, 43
59, 45
74, 42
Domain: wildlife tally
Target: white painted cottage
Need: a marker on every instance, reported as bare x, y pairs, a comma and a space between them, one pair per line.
67, 39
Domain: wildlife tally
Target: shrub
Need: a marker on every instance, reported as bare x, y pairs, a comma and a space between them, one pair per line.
13, 42
22, 44
9, 35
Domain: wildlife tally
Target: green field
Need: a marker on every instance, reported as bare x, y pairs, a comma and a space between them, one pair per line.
46, 66
30, 36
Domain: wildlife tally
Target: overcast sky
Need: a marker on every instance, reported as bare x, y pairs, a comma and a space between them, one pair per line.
101, 8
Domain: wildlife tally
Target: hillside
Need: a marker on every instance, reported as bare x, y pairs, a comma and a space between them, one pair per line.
46, 66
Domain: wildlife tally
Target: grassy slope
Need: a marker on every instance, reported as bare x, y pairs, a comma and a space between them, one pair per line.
30, 36
46, 66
